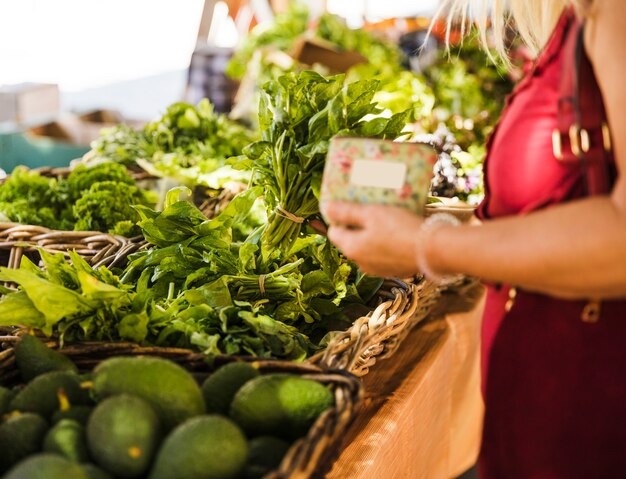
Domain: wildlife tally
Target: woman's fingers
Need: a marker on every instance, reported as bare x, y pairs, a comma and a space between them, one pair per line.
345, 239
346, 214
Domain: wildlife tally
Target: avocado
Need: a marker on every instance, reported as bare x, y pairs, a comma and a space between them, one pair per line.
67, 439
20, 436
220, 387
94, 472
46, 466
266, 454
280, 405
168, 388
204, 447
34, 358
5, 398
41, 395
123, 434
79, 414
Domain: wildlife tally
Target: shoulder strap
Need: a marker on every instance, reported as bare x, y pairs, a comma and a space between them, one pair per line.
583, 137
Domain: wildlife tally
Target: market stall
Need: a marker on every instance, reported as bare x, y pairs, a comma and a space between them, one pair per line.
179, 271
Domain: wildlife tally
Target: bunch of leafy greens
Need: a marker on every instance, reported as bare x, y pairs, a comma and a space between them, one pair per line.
470, 90
188, 143
462, 93
89, 199
280, 34
28, 198
199, 286
298, 115
377, 51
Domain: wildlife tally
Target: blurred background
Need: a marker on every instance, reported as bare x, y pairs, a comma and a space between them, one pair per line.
132, 56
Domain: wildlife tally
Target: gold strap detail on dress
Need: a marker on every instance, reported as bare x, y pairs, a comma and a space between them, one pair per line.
591, 312
511, 301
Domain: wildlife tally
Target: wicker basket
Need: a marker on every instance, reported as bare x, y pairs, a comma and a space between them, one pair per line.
378, 334
309, 457
98, 249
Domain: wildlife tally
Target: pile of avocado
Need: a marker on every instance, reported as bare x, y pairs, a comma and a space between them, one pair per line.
148, 418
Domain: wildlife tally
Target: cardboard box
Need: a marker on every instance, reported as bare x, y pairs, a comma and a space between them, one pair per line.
82, 129
28, 101
313, 50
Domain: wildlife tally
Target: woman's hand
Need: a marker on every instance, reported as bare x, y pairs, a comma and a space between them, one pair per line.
380, 239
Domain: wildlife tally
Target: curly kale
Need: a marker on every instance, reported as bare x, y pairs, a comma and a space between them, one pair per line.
93, 199
29, 198
107, 206
83, 177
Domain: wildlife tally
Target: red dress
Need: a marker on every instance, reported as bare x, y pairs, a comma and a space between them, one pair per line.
554, 386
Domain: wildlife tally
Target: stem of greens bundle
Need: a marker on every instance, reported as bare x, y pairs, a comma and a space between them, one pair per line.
298, 114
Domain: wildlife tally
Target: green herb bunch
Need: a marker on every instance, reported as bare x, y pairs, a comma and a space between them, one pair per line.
298, 115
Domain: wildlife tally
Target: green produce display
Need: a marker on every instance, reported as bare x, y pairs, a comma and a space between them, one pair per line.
461, 93
5, 398
20, 436
279, 404
205, 447
98, 198
138, 429
265, 454
80, 414
43, 395
67, 438
188, 143
94, 472
123, 434
47, 466
298, 115
34, 358
165, 386
220, 388
235, 284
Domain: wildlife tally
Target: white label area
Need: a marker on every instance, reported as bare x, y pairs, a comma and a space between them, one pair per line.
378, 174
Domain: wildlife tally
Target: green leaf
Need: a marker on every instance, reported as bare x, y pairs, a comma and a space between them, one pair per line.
55, 302
17, 309
317, 283
215, 294
173, 195
207, 343
94, 289
134, 327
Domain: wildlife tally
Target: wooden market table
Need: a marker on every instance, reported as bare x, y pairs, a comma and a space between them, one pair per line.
423, 411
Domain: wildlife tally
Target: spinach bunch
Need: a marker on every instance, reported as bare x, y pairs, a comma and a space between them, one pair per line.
298, 115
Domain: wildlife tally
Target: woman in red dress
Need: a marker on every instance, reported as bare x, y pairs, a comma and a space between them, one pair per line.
551, 248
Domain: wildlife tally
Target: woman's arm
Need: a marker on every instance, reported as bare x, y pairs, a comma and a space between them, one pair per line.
574, 250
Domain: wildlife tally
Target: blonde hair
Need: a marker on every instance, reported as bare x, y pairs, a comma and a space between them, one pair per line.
533, 19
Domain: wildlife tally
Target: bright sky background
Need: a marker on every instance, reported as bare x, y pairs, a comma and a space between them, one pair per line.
89, 43
85, 45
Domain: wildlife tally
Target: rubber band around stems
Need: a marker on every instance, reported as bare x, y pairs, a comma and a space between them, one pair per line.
280, 211
262, 284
